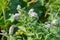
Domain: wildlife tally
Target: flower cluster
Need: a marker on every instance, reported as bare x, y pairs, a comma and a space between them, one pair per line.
30, 20
31, 13
53, 22
19, 32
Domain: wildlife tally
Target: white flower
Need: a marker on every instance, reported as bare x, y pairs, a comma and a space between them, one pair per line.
32, 14
54, 22
16, 16
18, 7
48, 25
31, 10
3, 31
11, 29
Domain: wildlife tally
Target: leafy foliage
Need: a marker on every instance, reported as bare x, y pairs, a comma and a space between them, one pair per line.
30, 27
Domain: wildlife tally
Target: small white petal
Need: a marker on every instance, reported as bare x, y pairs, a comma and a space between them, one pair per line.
16, 16
48, 25
31, 10
31, 13
18, 7
11, 29
3, 31
54, 22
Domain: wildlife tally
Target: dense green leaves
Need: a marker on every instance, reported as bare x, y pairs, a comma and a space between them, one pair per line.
28, 27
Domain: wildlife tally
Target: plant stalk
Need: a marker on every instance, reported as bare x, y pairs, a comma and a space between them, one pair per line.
4, 15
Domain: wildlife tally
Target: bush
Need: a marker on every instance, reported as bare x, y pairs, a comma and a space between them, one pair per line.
30, 19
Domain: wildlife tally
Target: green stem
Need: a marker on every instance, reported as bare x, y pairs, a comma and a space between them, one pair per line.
2, 38
4, 35
4, 15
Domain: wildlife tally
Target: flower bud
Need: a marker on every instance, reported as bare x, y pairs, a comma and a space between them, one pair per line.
3, 31
48, 25
32, 14
16, 16
54, 22
31, 10
11, 29
18, 7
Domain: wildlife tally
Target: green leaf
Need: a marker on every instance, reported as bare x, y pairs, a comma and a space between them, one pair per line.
29, 34
1, 20
30, 38
11, 37
22, 28
54, 29
11, 18
25, 0
0, 11
4, 35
